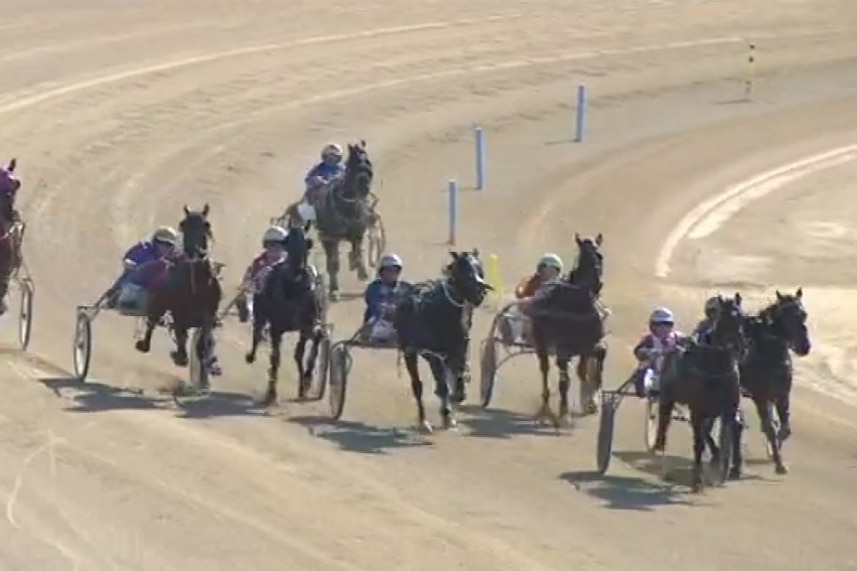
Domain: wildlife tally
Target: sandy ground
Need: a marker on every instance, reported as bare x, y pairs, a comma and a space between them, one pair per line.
122, 112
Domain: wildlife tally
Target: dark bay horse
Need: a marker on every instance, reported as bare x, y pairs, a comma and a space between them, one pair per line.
191, 293
289, 302
344, 213
766, 371
568, 320
704, 376
10, 246
433, 320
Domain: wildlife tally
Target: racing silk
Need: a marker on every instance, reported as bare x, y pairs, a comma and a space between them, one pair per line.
324, 171
703, 328
381, 298
259, 270
141, 254
528, 286
650, 343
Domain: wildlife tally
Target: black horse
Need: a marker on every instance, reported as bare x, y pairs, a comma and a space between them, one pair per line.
433, 320
704, 376
568, 319
344, 213
10, 230
289, 302
191, 293
766, 371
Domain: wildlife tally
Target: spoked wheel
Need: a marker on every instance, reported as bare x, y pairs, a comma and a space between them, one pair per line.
377, 241
488, 371
338, 379
652, 413
82, 345
322, 369
606, 425
25, 316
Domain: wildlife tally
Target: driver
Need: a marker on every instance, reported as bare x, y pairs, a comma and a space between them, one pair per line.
130, 287
273, 253
649, 351
329, 169
381, 297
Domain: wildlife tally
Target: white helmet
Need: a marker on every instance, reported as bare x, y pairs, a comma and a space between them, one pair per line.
166, 235
331, 149
274, 234
390, 261
662, 315
551, 260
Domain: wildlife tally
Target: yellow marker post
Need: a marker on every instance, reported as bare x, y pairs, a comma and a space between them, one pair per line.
494, 279
750, 77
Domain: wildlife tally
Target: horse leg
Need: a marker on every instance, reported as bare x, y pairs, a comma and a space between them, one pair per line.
331, 253
412, 367
545, 412
356, 258
5, 275
764, 411
274, 369
665, 415
259, 321
315, 334
562, 362
441, 373
711, 442
782, 402
737, 453
144, 344
179, 355
304, 378
589, 368
698, 424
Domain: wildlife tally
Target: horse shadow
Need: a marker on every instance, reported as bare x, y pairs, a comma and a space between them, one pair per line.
679, 469
625, 492
218, 404
355, 436
98, 397
498, 423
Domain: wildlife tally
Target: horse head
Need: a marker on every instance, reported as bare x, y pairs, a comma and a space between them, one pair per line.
466, 276
788, 316
195, 229
298, 246
590, 264
728, 330
358, 172
9, 185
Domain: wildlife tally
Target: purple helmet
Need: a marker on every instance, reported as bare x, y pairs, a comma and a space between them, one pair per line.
9, 183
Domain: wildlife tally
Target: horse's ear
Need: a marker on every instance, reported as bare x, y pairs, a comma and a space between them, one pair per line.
186, 210
599, 239
12, 164
308, 226
577, 239
779, 296
205, 210
363, 144
799, 293
309, 244
475, 252
737, 298
453, 255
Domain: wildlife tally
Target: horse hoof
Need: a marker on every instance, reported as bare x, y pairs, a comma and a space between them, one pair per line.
141, 346
781, 470
362, 274
734, 474
591, 408
426, 427
270, 398
697, 488
459, 398
334, 296
783, 433
179, 359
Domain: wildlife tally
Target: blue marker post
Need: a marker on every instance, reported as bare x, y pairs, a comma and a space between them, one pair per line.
580, 121
480, 158
453, 211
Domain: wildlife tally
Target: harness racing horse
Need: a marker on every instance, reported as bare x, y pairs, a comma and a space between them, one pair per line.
191, 293
344, 213
288, 302
766, 371
704, 376
433, 320
10, 228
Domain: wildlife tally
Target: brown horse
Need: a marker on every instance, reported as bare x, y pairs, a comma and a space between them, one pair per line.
10, 230
191, 293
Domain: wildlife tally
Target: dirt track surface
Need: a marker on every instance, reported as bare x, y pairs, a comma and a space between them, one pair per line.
119, 114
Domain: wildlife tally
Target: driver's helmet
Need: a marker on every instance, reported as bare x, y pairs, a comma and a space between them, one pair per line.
390, 261
712, 306
274, 235
165, 235
331, 151
550, 260
661, 316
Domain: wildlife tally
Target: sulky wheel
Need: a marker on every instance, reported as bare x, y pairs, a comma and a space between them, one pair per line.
651, 429
606, 424
487, 371
377, 241
82, 345
25, 316
338, 379
322, 369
